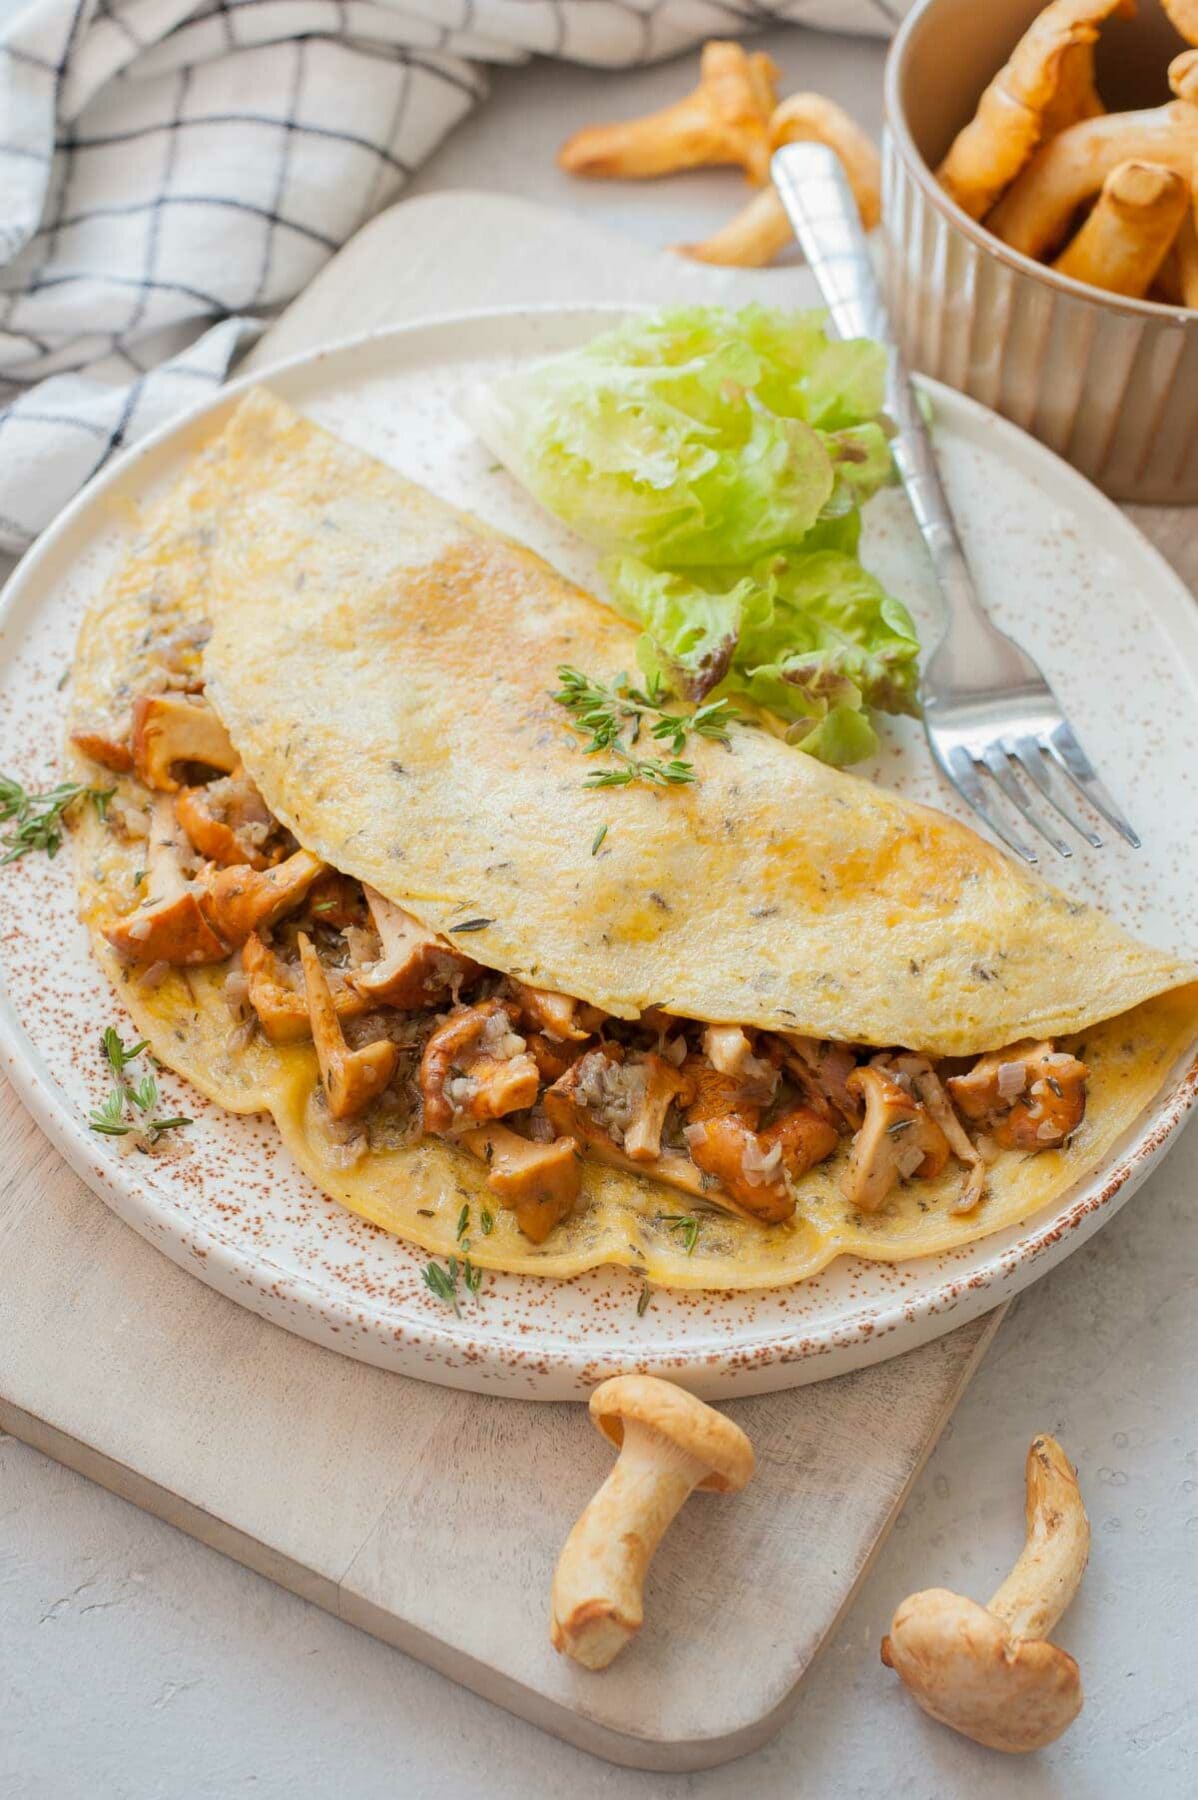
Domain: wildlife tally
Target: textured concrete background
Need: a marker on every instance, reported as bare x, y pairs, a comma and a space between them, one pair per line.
136, 1665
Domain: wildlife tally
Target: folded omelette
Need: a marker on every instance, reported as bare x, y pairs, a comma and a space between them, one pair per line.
720, 1032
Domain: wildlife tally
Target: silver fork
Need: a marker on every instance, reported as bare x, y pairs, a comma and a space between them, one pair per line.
987, 708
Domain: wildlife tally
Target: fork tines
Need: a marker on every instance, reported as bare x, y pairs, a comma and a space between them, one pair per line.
1052, 762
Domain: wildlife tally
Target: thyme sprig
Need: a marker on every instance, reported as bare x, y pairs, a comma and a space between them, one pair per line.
442, 1280
613, 717
131, 1107
687, 1224
39, 818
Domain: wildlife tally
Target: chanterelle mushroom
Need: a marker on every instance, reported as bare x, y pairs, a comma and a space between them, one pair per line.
352, 1078
1028, 1097
171, 728
560, 1016
623, 1099
240, 900
753, 1166
226, 821
931, 1091
475, 1067
282, 1009
898, 1139
729, 1050
169, 926
105, 747
416, 967
988, 1671
669, 1444
539, 1182
595, 1103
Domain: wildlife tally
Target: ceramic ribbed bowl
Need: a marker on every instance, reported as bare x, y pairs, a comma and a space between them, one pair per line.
1111, 384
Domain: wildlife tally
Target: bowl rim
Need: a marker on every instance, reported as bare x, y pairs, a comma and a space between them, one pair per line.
900, 135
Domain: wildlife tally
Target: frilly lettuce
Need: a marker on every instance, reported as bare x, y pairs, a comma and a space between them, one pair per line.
721, 458
808, 634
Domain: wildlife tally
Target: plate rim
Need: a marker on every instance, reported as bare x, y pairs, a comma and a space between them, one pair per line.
742, 1365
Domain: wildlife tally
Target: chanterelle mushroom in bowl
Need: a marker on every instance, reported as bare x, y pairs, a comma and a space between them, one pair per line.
723, 1031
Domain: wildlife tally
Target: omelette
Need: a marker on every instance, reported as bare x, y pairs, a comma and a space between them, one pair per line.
720, 1028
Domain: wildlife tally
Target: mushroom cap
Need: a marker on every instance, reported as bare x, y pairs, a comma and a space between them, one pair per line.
963, 1667
679, 1417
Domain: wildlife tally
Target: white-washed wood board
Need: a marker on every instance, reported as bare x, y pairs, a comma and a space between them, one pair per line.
362, 1490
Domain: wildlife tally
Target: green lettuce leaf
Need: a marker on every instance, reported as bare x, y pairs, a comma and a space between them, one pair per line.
694, 435
721, 458
808, 634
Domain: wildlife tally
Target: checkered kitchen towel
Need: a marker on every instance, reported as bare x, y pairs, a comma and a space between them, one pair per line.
174, 171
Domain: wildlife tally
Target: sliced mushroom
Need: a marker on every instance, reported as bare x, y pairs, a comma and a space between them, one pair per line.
351, 1078
171, 728
670, 1443
587, 1103
988, 1671
1027, 1097
559, 1016
730, 1051
754, 1167
337, 901
538, 1182
475, 1067
240, 900
552, 1057
822, 1069
931, 1091
282, 1009
104, 747
169, 926
226, 821
884, 1152
663, 1085
416, 968
622, 1098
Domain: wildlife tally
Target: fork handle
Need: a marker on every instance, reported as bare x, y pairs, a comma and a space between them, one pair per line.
820, 205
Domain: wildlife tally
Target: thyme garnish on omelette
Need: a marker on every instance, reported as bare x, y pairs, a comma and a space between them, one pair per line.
40, 817
612, 719
686, 1224
127, 1109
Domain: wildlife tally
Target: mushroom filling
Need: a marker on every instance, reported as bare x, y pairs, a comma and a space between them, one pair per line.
414, 1036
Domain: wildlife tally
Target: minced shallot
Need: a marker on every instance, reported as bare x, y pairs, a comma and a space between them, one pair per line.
1012, 1079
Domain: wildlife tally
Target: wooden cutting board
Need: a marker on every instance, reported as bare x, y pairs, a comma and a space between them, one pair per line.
429, 1517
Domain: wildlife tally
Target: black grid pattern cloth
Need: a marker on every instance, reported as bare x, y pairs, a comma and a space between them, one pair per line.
172, 172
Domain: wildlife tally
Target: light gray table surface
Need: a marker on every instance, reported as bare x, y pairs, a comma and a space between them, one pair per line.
137, 1665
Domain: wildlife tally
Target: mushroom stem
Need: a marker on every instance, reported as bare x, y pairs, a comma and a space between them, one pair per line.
597, 1591
1053, 1558
669, 1444
989, 1671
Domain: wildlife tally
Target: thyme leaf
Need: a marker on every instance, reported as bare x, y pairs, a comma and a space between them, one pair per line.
687, 1224
38, 819
118, 1116
442, 1284
610, 718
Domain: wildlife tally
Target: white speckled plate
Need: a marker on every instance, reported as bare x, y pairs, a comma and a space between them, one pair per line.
1061, 568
